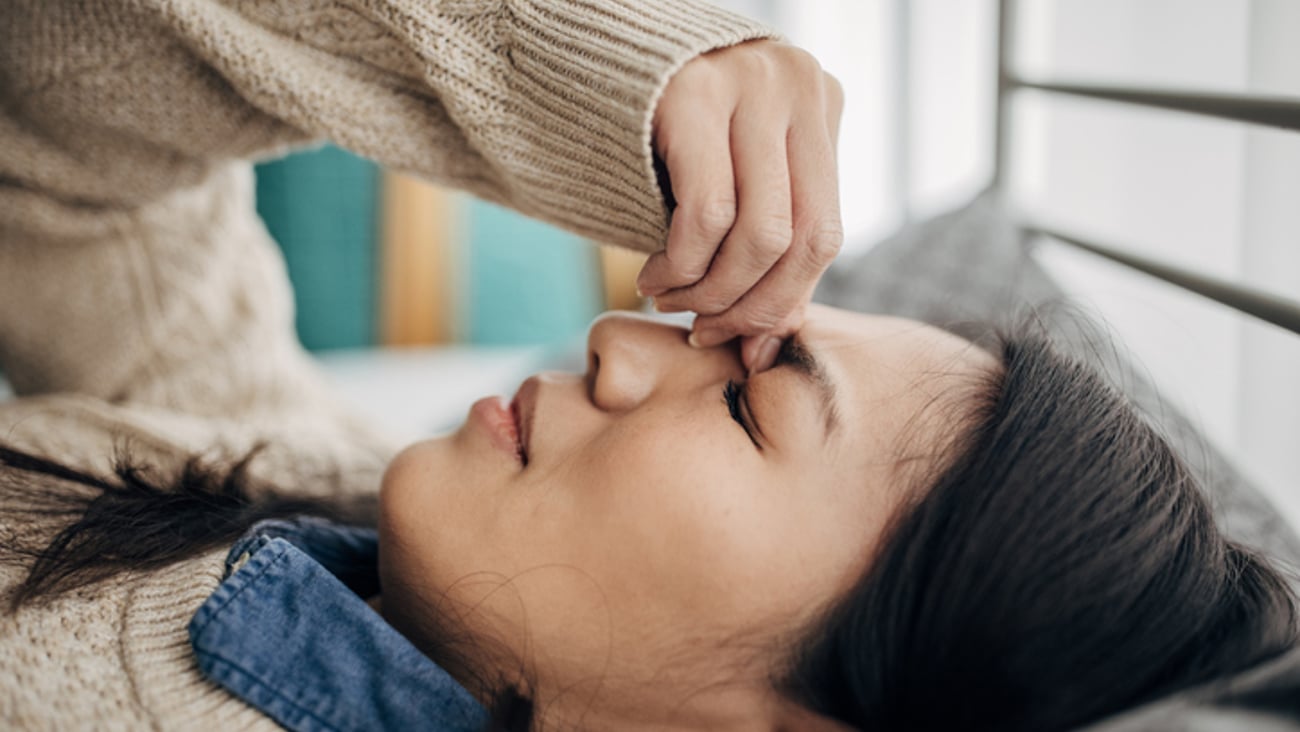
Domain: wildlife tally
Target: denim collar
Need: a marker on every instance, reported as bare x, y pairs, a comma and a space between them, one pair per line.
288, 632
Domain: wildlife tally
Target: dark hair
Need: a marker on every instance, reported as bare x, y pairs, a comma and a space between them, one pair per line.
169, 518
1064, 565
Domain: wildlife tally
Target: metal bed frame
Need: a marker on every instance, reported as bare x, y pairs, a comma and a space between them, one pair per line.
1272, 111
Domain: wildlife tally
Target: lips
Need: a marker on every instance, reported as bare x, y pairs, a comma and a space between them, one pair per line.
522, 408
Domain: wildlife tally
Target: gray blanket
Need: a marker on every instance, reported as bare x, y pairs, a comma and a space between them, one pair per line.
970, 267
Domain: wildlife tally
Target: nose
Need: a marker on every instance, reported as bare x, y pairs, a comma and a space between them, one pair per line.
631, 357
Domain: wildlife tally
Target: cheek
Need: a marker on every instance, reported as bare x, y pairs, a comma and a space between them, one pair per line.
671, 475
704, 524
689, 517
403, 470
432, 508
406, 495
416, 486
401, 488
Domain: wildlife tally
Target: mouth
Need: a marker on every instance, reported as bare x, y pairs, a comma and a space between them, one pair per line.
523, 409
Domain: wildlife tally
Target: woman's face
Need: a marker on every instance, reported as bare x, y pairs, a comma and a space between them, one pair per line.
652, 535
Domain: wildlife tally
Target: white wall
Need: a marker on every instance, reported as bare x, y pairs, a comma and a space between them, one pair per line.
1269, 390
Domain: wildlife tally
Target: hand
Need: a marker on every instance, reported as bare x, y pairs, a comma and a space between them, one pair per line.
748, 134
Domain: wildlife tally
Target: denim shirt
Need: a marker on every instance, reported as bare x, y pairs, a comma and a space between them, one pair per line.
287, 631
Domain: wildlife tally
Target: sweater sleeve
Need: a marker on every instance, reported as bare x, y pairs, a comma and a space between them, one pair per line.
541, 105
132, 265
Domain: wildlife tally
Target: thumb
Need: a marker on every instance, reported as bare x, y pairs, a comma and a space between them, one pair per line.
758, 352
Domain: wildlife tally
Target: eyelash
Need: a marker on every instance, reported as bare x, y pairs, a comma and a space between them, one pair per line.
732, 394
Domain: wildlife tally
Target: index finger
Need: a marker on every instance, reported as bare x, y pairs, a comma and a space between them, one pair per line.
758, 353
700, 170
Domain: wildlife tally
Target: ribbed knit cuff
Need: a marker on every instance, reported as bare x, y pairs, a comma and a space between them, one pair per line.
584, 77
593, 115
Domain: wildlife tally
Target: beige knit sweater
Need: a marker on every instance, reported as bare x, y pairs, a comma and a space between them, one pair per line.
141, 300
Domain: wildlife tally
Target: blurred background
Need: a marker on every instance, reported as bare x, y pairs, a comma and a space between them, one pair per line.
401, 284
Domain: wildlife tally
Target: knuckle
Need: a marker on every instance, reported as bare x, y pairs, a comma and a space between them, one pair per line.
685, 271
771, 236
799, 64
825, 242
714, 216
806, 63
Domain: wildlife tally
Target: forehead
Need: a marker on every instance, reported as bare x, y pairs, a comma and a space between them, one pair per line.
900, 383
855, 342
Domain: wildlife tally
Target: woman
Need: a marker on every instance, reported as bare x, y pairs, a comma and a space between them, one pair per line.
890, 529
142, 301
567, 578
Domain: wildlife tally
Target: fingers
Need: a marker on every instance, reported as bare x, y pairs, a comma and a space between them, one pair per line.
816, 198
818, 236
700, 169
834, 107
758, 353
763, 228
772, 307
748, 134
699, 222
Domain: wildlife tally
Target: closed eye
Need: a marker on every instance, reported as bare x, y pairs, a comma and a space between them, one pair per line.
733, 395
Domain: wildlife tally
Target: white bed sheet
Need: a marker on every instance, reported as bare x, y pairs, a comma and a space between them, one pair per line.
417, 392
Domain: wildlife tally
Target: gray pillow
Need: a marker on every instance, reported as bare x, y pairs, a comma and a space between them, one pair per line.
970, 268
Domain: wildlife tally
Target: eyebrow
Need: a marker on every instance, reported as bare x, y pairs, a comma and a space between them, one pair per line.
795, 355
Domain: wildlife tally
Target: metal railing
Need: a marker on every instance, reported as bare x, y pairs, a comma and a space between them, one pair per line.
1267, 110
1270, 111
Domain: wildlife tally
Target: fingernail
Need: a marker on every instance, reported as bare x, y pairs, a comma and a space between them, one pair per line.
706, 338
639, 292
765, 356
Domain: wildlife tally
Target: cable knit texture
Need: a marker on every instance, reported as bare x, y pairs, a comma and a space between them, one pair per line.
142, 301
